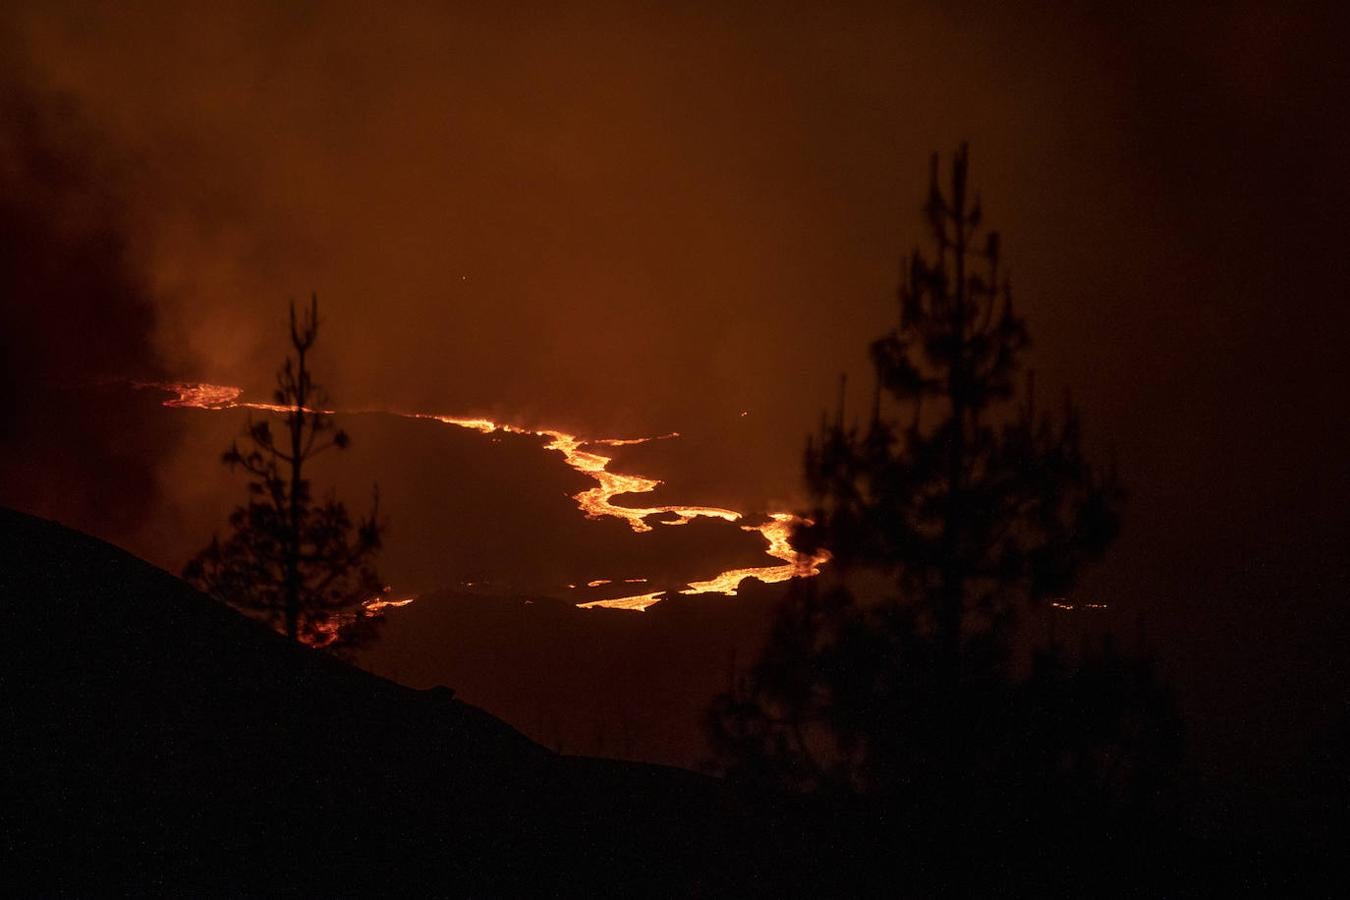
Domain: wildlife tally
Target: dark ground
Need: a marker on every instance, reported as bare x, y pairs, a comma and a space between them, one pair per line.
155, 742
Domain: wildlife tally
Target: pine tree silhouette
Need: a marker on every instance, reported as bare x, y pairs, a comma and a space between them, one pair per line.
955, 509
303, 566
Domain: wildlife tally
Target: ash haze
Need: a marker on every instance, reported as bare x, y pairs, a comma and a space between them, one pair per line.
631, 221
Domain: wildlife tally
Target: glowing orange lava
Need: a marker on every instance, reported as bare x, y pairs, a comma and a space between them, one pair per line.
328, 631
210, 396
777, 531
1064, 604
595, 503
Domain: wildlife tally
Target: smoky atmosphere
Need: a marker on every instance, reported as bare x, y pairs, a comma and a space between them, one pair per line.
841, 449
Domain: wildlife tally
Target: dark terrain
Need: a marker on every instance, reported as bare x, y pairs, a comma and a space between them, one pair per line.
155, 740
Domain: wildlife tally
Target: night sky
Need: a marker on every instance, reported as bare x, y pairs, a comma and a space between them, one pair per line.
632, 221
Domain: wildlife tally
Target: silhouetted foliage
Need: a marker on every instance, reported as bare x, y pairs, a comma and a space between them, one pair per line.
305, 567
965, 506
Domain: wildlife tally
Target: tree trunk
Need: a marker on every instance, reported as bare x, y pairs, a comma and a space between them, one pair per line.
953, 742
297, 427
953, 587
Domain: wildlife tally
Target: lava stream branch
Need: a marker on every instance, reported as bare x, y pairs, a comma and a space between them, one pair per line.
595, 503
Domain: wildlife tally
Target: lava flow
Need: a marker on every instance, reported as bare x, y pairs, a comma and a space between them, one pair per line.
594, 503
329, 631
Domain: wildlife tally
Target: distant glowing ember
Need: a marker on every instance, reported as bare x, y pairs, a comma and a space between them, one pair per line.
1064, 604
595, 503
374, 606
329, 631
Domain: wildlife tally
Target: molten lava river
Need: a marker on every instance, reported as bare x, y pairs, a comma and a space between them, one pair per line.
583, 455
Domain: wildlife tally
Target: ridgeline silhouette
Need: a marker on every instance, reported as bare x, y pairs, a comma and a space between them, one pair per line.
966, 506
156, 741
304, 567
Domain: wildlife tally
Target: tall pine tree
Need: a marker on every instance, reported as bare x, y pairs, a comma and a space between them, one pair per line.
956, 508
304, 566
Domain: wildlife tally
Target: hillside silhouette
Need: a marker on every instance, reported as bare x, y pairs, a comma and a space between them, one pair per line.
158, 740
605, 682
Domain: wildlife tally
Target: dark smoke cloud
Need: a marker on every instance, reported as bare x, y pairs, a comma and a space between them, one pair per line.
76, 323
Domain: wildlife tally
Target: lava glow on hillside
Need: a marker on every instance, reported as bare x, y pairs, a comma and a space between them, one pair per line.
595, 503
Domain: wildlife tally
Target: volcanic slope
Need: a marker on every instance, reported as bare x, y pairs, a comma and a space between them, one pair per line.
157, 740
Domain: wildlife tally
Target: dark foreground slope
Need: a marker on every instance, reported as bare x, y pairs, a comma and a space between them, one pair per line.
153, 739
